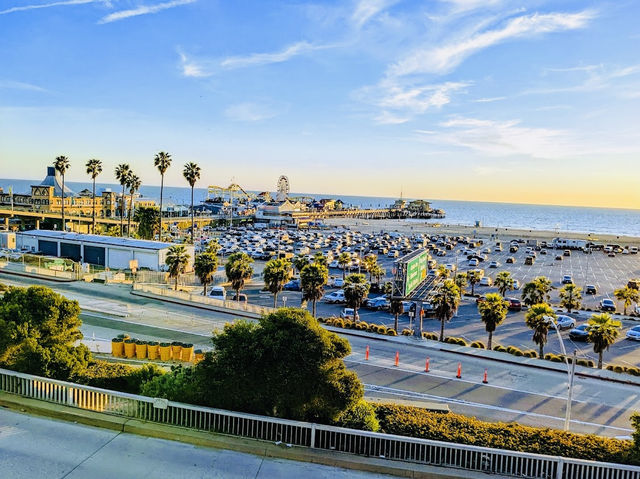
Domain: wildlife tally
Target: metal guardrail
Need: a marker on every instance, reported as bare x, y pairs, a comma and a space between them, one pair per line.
315, 436
16, 267
200, 299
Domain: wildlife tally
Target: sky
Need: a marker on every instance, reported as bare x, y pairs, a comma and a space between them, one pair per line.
490, 100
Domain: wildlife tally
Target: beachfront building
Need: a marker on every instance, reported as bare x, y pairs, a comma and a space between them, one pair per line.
279, 212
108, 251
46, 197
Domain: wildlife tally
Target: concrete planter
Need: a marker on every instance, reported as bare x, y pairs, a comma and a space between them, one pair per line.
165, 351
117, 347
187, 352
153, 349
129, 348
141, 349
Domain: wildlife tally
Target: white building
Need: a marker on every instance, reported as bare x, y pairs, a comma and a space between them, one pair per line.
108, 251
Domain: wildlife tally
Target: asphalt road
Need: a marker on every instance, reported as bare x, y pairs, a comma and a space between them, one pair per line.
524, 394
34, 447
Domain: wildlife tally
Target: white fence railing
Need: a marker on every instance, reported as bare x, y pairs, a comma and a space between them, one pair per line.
317, 436
198, 297
17, 267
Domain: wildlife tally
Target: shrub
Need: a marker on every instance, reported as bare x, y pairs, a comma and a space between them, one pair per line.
361, 416
633, 371
338, 323
518, 353
348, 323
321, 319
618, 369
372, 328
420, 423
118, 376
364, 325
557, 359
407, 332
431, 336
382, 329
531, 353
478, 345
458, 341
584, 362
329, 321
609, 367
391, 332
500, 349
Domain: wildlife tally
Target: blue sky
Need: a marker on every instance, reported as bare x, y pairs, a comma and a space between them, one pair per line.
492, 100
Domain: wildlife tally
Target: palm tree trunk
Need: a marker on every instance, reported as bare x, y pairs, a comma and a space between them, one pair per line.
93, 226
275, 300
205, 289
129, 216
600, 360
442, 329
192, 217
541, 351
490, 340
344, 272
176, 284
63, 226
160, 212
122, 213
314, 309
473, 287
395, 323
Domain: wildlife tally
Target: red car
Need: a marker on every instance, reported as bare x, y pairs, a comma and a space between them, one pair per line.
514, 304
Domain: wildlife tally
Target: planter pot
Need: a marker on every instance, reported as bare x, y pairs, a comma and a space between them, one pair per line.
198, 356
165, 351
187, 352
176, 351
141, 349
123, 336
117, 347
129, 348
152, 350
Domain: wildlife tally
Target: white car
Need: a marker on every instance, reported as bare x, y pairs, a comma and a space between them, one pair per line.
565, 322
516, 284
486, 281
334, 297
338, 282
347, 313
473, 262
634, 333
494, 264
334, 264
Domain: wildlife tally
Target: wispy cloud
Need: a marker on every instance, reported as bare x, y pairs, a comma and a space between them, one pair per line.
489, 100
60, 3
367, 9
444, 58
16, 85
205, 67
249, 112
143, 10
598, 77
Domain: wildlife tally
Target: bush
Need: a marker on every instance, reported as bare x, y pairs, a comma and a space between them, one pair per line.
515, 351
500, 348
618, 369
118, 376
391, 332
348, 323
361, 416
407, 332
338, 323
372, 328
478, 345
609, 367
531, 353
633, 371
420, 423
585, 362
458, 341
382, 330
329, 321
431, 336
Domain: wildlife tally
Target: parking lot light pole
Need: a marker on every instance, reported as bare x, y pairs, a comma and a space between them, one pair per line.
571, 369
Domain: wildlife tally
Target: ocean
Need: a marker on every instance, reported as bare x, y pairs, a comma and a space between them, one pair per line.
500, 215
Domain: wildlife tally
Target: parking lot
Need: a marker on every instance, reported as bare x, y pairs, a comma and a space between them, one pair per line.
597, 268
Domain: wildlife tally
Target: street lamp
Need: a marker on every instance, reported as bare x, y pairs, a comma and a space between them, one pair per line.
570, 370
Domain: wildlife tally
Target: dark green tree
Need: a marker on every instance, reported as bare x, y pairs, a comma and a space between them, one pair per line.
122, 175
239, 271
276, 273
538, 319
147, 219
356, 290
493, 311
62, 165
177, 260
205, 266
313, 279
445, 303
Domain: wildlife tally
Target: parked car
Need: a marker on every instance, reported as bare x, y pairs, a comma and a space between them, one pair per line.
380, 302
240, 297
473, 262
218, 292
580, 333
514, 304
347, 313
634, 333
529, 260
543, 251
516, 284
590, 289
567, 279
486, 281
511, 260
607, 305
558, 257
293, 285
334, 297
494, 264
480, 299
338, 282
565, 322
567, 252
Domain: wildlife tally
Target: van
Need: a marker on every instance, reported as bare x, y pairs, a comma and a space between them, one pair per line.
218, 292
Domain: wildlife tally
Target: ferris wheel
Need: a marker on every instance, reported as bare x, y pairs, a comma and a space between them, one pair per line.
282, 188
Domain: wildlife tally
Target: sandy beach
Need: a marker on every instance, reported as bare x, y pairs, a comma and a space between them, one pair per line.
417, 226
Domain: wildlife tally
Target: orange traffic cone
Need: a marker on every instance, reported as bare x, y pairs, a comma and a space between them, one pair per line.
426, 366
397, 357
484, 379
366, 354
459, 375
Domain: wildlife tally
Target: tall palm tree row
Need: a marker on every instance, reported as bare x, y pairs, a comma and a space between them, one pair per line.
446, 302
504, 282
191, 173
603, 331
94, 168
493, 311
61, 164
313, 279
133, 183
177, 260
538, 319
162, 162
122, 175
276, 273
356, 290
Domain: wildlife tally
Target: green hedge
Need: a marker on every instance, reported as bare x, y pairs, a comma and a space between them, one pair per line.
117, 376
420, 423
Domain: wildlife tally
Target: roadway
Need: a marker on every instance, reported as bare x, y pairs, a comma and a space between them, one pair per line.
514, 393
35, 447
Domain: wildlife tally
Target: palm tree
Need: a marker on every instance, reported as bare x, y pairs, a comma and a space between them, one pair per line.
276, 273
191, 173
343, 261
319, 258
133, 183
94, 168
537, 291
570, 297
313, 278
627, 295
205, 266
603, 331
162, 162
239, 271
370, 263
537, 319
356, 290
300, 262
378, 272
396, 308
122, 175
445, 303
493, 311
177, 260
443, 271
474, 278
62, 165
503, 282
461, 281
